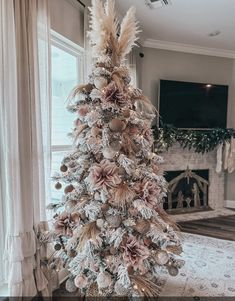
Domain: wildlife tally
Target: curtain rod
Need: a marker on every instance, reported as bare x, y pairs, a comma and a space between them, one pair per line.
81, 3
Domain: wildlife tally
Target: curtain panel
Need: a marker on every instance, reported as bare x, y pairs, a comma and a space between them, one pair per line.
25, 141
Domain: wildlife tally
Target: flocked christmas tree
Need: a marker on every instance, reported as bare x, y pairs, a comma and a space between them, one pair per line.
112, 232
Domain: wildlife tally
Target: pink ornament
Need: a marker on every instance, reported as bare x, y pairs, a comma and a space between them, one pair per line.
81, 281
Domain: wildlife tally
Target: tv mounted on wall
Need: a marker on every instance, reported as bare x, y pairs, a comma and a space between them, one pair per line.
192, 105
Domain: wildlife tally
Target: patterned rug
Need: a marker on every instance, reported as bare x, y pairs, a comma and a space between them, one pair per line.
209, 269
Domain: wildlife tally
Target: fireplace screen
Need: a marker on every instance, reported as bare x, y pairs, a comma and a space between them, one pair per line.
187, 191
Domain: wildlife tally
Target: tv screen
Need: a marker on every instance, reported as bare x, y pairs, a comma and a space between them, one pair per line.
193, 105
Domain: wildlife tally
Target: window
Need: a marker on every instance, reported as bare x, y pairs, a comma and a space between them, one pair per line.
66, 72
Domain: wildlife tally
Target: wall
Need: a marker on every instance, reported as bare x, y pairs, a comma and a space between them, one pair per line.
67, 18
162, 64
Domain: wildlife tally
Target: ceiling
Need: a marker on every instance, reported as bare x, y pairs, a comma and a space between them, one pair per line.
186, 24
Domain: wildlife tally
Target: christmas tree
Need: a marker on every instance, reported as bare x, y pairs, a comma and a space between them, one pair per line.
110, 229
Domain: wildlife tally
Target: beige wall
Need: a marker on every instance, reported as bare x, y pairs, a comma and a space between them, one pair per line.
67, 18
161, 64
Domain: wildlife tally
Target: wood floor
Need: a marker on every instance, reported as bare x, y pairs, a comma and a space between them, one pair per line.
222, 227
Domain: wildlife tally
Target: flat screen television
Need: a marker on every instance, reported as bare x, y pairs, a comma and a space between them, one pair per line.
192, 105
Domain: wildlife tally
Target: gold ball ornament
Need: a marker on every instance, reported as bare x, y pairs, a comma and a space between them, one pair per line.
95, 131
58, 185
117, 125
162, 257
68, 189
63, 168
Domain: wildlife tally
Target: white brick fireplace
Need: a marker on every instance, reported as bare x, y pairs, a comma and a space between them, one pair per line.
178, 159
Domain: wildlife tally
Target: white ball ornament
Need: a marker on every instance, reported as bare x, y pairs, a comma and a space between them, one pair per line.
120, 290
104, 280
100, 82
109, 153
70, 286
162, 257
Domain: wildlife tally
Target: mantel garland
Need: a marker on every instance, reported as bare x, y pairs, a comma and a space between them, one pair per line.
201, 141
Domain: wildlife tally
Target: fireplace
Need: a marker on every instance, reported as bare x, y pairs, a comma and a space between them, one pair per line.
187, 191
180, 160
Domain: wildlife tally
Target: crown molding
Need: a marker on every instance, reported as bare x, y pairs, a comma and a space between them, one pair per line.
180, 47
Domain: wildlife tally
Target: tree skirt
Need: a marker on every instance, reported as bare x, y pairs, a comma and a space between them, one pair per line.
209, 268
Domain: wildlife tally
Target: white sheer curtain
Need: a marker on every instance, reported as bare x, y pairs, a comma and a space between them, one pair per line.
24, 152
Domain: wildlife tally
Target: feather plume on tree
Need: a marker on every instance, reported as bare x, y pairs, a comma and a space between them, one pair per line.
128, 33
103, 27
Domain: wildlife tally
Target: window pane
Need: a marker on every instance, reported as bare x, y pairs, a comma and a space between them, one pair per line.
64, 78
56, 159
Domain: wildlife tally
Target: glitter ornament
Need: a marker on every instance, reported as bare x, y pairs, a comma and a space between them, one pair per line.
57, 247
70, 286
114, 221
103, 280
162, 257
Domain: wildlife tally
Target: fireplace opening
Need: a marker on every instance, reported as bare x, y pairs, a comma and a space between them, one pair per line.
187, 191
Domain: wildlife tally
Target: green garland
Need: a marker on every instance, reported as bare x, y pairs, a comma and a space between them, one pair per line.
201, 141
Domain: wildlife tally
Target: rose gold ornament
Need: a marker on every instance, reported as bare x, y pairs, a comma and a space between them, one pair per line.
58, 185
117, 125
63, 168
126, 113
68, 189
105, 207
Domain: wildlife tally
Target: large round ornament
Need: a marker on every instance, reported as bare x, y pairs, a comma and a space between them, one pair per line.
162, 257
114, 221
142, 226
104, 280
100, 82
70, 286
80, 281
109, 153
117, 125
68, 189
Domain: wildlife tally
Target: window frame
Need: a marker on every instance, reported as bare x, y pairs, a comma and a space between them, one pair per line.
74, 49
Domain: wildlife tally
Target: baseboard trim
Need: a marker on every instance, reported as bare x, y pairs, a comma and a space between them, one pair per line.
230, 204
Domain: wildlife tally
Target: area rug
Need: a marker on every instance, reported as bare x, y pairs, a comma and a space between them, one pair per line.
209, 269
